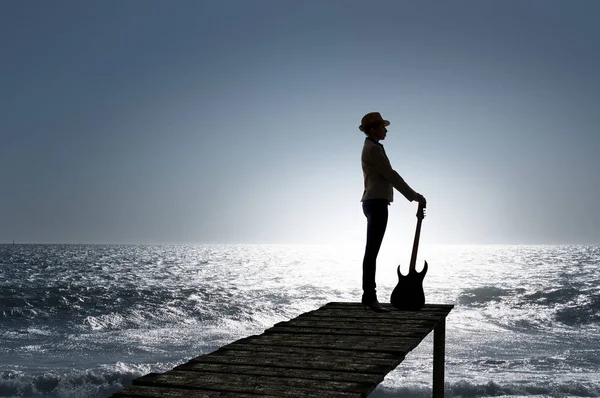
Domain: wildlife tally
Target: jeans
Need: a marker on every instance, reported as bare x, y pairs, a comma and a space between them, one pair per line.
376, 211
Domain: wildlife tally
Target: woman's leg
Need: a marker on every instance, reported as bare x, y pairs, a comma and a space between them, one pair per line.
376, 212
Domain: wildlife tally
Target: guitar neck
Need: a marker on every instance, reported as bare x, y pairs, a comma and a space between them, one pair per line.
413, 257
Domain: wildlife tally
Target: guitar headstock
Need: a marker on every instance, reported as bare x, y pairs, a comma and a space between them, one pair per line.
421, 211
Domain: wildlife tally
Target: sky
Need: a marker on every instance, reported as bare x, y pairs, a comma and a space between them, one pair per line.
146, 121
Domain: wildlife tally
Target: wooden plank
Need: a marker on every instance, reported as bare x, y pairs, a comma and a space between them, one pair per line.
167, 392
268, 385
328, 361
349, 355
349, 332
370, 315
356, 305
334, 313
329, 375
427, 307
362, 321
358, 343
357, 308
392, 310
336, 323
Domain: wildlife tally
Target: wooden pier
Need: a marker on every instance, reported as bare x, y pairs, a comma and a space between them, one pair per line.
339, 350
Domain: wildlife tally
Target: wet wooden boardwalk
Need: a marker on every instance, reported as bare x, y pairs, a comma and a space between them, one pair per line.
339, 350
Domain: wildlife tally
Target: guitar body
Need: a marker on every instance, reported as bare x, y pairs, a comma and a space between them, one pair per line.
408, 294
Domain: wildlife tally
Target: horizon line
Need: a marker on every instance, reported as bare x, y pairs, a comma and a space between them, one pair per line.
282, 244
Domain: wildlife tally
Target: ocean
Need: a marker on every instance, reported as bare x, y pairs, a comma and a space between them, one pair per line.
85, 320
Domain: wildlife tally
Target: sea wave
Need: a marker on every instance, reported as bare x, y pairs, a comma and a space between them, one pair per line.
468, 389
569, 306
98, 383
480, 296
103, 383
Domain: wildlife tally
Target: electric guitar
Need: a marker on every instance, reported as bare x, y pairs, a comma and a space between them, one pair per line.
408, 294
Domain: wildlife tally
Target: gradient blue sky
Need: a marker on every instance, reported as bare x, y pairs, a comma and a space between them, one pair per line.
236, 121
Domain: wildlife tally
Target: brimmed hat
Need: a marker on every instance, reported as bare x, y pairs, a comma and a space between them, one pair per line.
371, 119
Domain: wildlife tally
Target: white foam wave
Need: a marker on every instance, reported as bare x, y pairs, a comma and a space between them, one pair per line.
97, 383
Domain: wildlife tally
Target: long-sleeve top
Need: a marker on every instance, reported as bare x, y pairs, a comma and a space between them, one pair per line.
380, 178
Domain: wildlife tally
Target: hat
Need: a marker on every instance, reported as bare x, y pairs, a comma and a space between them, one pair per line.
370, 119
